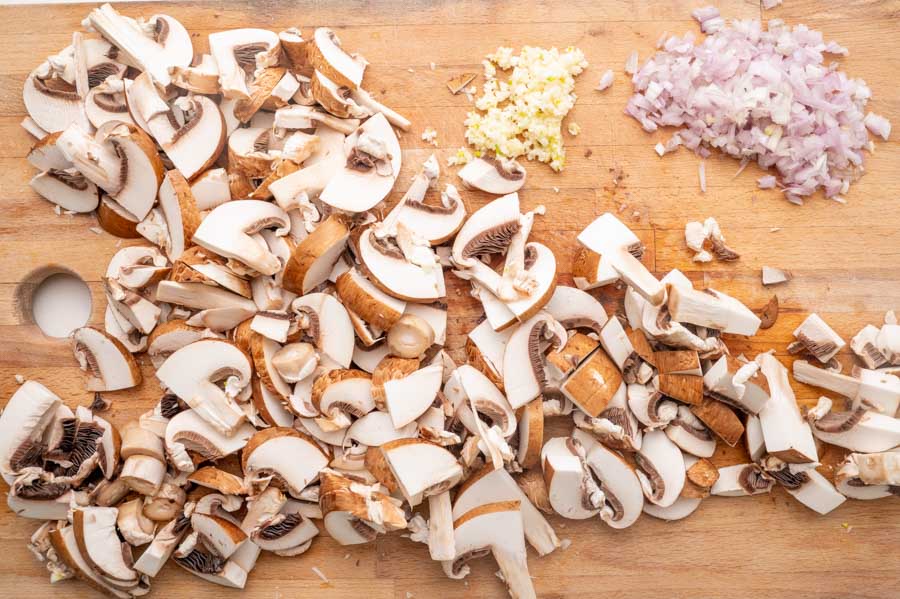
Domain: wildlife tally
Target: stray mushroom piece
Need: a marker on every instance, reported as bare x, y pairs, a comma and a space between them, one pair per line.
860, 429
108, 364
819, 339
495, 175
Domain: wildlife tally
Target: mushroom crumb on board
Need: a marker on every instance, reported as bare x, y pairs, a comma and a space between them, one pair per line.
305, 333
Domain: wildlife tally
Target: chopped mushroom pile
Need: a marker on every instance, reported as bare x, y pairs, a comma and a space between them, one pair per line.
297, 330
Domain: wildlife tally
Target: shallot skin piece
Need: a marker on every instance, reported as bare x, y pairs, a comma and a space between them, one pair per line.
761, 94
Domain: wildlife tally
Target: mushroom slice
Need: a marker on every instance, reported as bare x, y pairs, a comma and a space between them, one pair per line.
272, 325
410, 336
787, 436
819, 339
143, 474
848, 482
117, 221
650, 407
270, 405
720, 419
68, 189
619, 483
265, 80
188, 431
134, 527
210, 188
393, 273
498, 528
223, 482
293, 117
326, 322
133, 340
485, 348
882, 468
616, 426
888, 342
208, 566
335, 438
617, 345
860, 430
97, 161
339, 393
139, 311
590, 271
737, 384
370, 303
571, 487
712, 309
282, 456
227, 230
313, 259
56, 508
335, 98
489, 486
22, 423
864, 345
409, 397
181, 212
373, 163
324, 53
540, 266
437, 223
376, 428
198, 265
137, 440
690, 434
220, 535
390, 368
154, 47
169, 337
161, 547
421, 468
592, 386
45, 154
65, 545
576, 309
106, 102
753, 437
740, 480
52, 102
141, 168
354, 513
295, 361
235, 53
879, 389
108, 364
811, 489
473, 396
201, 77
195, 146
495, 175
615, 243
192, 372
99, 544
137, 267
531, 434
660, 468
368, 358
287, 533
523, 364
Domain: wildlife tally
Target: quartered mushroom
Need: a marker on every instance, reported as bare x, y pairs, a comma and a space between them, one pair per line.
420, 468
738, 384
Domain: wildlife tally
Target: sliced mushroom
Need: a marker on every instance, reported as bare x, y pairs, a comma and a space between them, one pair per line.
812, 490
753, 437
68, 189
740, 480
495, 175
485, 348
192, 372
326, 323
282, 456
690, 434
421, 468
624, 496
99, 544
572, 490
188, 431
410, 336
531, 434
523, 364
650, 407
376, 428
143, 474
97, 161
117, 221
210, 188
161, 548
712, 309
235, 53
227, 230
394, 274
373, 305
436, 223
106, 102
286, 533
135, 528
720, 419
576, 309
615, 243
220, 535
108, 364
341, 393
373, 163
313, 259
325, 54
737, 384
661, 469
65, 544
408, 397
860, 429
882, 468
819, 339
169, 337
617, 345
22, 423
787, 436
616, 426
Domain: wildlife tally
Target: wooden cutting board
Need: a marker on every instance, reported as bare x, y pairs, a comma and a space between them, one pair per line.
844, 257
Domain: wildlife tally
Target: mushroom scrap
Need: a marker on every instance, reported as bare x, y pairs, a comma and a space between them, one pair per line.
297, 330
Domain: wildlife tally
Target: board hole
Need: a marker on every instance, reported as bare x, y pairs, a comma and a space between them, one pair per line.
55, 299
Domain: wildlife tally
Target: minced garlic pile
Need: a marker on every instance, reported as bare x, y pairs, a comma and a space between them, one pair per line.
523, 114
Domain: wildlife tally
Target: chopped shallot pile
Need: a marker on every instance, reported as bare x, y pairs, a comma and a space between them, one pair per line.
766, 95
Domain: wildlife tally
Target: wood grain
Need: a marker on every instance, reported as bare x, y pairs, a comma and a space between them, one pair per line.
844, 259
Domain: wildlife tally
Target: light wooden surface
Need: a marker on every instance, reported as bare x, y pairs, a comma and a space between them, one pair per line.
845, 260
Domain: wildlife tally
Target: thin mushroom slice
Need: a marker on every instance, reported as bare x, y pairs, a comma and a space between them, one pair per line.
45, 154
108, 364
217, 533
188, 431
314, 258
523, 363
68, 189
97, 161
326, 323
531, 434
849, 484
376, 428
690, 434
287, 533
373, 163
660, 469
650, 407
485, 348
437, 223
740, 480
99, 544
196, 145
106, 102
616, 426
617, 344
192, 372
180, 209
409, 397
495, 175
227, 230
860, 429
619, 483
282, 456
65, 544
484, 397
335, 99
22, 423
325, 54
576, 309
496, 528
117, 221
161, 548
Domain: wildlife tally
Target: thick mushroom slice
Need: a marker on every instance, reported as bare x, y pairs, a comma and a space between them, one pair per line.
325, 55
68, 189
195, 145
410, 337
376, 428
45, 155
354, 512
282, 456
738, 384
201, 77
339, 394
169, 337
106, 102
143, 474
313, 259
138, 311
188, 431
817, 338
108, 364
373, 163
720, 419
572, 490
650, 406
576, 309
395, 274
199, 265
153, 47
409, 397
137, 267
227, 230
485, 348
690, 434
161, 548
740, 480
624, 497
592, 386
336, 99
531, 434
325, 322
490, 485
880, 389
495, 527
660, 468
786, 434
421, 468
192, 373
217, 533
860, 429
180, 209
210, 188
882, 468
286, 533
617, 344
712, 309
367, 301
810, 488
614, 242
437, 223
235, 53
99, 544
97, 161
22, 423
616, 426
65, 545
141, 167
523, 363
495, 175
